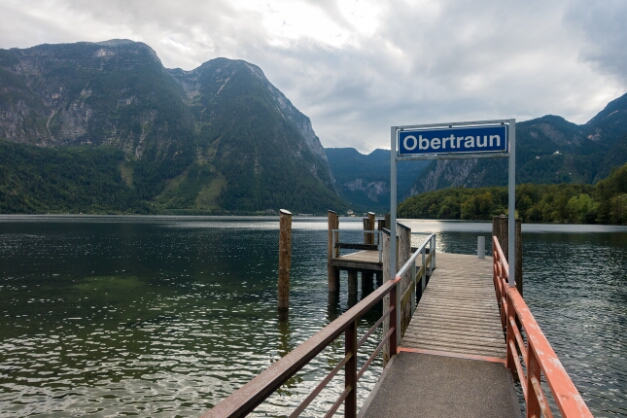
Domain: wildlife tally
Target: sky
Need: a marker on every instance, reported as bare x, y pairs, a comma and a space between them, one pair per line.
357, 67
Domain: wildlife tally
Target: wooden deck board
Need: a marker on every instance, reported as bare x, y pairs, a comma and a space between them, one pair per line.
458, 312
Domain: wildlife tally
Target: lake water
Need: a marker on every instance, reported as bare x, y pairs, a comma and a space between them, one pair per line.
165, 316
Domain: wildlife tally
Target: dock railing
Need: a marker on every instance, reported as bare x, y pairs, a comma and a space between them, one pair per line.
427, 253
538, 358
337, 245
253, 393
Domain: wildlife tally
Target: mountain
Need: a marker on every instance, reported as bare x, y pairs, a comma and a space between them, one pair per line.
549, 150
364, 180
218, 138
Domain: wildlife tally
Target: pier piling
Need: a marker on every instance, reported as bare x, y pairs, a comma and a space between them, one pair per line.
285, 259
333, 272
499, 229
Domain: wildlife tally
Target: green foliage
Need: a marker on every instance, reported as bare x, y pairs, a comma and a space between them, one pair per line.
68, 179
573, 203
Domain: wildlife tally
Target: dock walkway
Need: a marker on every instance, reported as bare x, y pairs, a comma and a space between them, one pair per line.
451, 360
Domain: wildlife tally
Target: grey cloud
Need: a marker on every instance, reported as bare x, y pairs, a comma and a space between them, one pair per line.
428, 61
602, 24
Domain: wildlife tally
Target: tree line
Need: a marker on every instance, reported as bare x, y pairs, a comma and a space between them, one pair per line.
603, 203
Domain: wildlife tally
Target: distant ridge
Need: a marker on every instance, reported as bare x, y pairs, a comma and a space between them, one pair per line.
549, 150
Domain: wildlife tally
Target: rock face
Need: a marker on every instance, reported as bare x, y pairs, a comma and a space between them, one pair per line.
549, 150
218, 137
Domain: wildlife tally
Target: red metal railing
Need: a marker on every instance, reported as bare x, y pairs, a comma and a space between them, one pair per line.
538, 358
244, 400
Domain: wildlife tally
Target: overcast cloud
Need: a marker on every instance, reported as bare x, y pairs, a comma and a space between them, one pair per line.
356, 67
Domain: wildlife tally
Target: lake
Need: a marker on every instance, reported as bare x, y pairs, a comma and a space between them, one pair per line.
166, 316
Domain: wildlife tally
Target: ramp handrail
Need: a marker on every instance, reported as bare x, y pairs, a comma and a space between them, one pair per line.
538, 356
244, 400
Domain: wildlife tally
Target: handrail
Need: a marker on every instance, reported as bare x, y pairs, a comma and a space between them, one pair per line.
537, 355
427, 266
244, 400
412, 260
249, 396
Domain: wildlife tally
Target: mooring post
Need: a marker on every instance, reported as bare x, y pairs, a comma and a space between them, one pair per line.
500, 231
352, 282
371, 225
333, 273
366, 223
285, 258
481, 246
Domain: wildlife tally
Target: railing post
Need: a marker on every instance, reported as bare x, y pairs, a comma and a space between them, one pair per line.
533, 371
423, 279
350, 370
395, 318
413, 288
433, 266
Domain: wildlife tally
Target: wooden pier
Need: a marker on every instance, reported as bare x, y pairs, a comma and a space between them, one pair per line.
453, 347
458, 312
451, 359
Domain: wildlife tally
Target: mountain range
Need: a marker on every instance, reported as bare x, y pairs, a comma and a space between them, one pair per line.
218, 138
105, 127
549, 150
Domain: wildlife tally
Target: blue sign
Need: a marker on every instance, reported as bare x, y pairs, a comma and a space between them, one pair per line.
458, 140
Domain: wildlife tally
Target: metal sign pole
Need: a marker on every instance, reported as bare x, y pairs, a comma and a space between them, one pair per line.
511, 222
393, 204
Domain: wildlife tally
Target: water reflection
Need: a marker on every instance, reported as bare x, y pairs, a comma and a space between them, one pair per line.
160, 316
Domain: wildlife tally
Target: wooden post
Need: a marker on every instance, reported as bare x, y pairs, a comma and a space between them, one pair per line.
369, 225
352, 282
350, 370
333, 273
366, 283
285, 258
499, 229
403, 254
388, 220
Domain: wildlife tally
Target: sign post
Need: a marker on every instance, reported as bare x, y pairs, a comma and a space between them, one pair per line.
479, 139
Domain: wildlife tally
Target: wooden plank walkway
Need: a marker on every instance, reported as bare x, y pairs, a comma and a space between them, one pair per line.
451, 360
458, 312
360, 260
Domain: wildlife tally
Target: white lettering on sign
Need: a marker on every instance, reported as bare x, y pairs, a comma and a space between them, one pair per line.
440, 140
414, 143
450, 142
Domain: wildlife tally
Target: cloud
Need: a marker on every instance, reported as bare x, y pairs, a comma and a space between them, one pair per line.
356, 67
602, 25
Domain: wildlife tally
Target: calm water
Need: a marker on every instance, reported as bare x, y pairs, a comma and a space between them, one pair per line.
165, 316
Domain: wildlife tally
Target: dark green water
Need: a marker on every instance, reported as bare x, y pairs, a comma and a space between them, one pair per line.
165, 316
